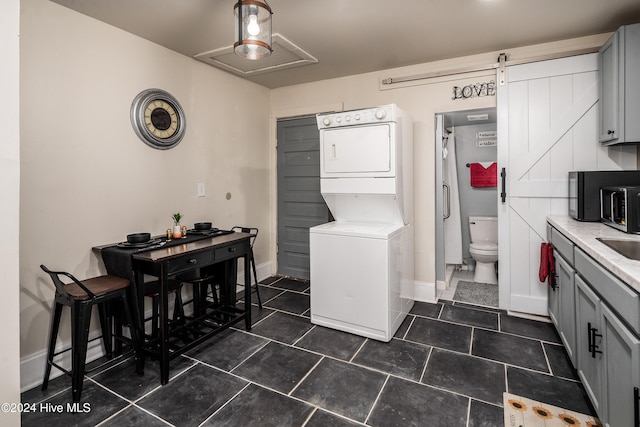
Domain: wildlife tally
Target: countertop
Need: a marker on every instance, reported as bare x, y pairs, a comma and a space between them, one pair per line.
584, 234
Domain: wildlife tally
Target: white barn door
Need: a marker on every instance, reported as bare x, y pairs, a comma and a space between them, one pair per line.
547, 126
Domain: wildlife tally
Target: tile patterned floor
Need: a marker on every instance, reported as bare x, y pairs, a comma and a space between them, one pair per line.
447, 365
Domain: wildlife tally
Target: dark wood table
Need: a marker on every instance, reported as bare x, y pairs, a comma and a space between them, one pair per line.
166, 262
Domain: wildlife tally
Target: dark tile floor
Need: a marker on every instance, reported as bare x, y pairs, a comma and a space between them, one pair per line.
448, 365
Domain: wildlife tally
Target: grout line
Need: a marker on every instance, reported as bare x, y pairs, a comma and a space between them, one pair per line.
226, 403
358, 350
426, 363
375, 401
305, 376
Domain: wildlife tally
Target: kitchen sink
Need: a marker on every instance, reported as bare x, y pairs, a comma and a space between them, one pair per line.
628, 248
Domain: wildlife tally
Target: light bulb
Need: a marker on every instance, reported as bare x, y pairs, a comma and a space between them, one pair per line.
253, 28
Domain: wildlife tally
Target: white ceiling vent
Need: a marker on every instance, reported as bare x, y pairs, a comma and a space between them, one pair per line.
285, 55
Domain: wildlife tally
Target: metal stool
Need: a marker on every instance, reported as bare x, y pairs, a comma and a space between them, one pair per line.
254, 234
81, 296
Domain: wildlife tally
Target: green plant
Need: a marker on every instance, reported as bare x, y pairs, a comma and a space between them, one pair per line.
176, 218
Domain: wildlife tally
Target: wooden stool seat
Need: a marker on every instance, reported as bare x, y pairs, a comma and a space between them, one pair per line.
80, 297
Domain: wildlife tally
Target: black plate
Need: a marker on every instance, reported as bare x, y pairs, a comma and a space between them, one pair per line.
139, 245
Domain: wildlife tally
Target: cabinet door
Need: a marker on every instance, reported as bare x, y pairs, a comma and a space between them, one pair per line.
621, 354
608, 90
567, 306
553, 299
589, 363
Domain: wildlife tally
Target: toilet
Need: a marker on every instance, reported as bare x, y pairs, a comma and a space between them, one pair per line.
484, 247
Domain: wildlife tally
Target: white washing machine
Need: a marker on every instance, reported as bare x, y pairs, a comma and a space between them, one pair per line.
362, 264
360, 277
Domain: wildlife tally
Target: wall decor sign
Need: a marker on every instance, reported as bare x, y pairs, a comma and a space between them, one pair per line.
486, 138
474, 90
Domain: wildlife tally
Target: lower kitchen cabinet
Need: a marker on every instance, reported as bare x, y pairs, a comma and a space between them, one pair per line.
589, 357
597, 318
566, 285
621, 358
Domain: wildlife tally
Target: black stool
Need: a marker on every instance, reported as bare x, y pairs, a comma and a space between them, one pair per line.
254, 234
152, 290
81, 296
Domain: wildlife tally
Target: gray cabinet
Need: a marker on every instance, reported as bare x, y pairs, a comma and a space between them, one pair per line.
619, 87
621, 359
607, 345
589, 356
598, 319
566, 285
561, 298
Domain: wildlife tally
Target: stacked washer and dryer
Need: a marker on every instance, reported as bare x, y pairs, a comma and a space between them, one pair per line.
362, 263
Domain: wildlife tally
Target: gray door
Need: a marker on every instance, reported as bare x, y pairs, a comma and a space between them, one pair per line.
300, 205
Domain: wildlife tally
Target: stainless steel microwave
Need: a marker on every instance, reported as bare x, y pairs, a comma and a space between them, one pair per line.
620, 208
584, 190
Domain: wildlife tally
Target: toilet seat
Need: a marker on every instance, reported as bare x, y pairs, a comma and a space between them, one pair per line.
483, 247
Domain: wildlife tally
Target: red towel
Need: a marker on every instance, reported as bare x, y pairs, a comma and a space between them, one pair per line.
483, 177
547, 271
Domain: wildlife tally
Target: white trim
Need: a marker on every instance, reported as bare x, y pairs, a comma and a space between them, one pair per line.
425, 292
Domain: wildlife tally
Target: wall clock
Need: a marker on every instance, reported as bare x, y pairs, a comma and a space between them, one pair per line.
158, 119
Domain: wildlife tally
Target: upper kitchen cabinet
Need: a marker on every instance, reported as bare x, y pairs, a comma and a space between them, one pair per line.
619, 87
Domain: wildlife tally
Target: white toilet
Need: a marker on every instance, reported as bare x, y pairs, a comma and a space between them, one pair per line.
484, 247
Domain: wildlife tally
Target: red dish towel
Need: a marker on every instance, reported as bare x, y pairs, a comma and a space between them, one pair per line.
547, 270
483, 177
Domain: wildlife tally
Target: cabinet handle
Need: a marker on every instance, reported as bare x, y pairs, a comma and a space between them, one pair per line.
611, 132
636, 407
503, 193
593, 347
193, 261
232, 249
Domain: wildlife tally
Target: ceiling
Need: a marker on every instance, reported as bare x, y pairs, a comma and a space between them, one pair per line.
357, 36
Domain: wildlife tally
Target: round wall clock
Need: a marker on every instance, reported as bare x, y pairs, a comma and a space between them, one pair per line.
158, 119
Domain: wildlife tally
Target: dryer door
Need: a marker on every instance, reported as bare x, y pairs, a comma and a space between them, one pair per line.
359, 151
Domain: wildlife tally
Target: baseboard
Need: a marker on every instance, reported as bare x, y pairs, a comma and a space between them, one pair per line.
425, 292
32, 366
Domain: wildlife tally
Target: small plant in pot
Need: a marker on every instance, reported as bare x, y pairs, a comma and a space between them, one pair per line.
177, 232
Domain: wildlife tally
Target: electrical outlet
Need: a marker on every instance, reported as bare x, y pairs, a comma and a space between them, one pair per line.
201, 192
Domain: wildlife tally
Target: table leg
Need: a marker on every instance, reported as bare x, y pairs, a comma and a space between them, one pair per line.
138, 319
164, 326
247, 291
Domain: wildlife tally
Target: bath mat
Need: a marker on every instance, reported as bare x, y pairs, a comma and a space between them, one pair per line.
477, 293
523, 412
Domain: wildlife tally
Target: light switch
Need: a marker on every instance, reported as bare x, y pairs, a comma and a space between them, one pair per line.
201, 189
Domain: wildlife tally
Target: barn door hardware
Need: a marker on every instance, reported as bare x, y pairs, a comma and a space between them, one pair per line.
503, 194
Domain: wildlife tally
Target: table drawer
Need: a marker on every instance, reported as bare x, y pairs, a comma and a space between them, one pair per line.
185, 263
229, 252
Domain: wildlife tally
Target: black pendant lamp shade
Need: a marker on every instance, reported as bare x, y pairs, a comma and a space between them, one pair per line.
253, 29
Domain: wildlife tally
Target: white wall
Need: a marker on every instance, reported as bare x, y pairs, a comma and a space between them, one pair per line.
9, 214
88, 180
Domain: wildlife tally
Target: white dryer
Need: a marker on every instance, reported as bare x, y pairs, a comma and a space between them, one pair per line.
362, 264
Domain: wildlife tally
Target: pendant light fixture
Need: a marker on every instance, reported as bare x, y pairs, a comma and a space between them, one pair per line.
253, 29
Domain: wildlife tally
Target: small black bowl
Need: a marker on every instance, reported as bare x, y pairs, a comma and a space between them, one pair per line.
202, 226
138, 237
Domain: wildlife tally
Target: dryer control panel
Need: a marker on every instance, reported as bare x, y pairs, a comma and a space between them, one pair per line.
382, 114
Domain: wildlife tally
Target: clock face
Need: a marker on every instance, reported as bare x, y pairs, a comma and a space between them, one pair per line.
158, 119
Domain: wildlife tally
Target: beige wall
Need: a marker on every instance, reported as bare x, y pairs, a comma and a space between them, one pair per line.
86, 177
9, 214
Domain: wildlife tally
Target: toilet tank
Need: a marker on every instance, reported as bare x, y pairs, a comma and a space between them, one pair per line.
483, 229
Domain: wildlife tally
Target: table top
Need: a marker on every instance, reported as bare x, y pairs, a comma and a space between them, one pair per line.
162, 253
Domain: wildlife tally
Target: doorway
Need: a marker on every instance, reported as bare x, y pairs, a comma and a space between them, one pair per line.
300, 204
464, 139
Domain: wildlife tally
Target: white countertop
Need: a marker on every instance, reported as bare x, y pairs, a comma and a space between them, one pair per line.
584, 234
